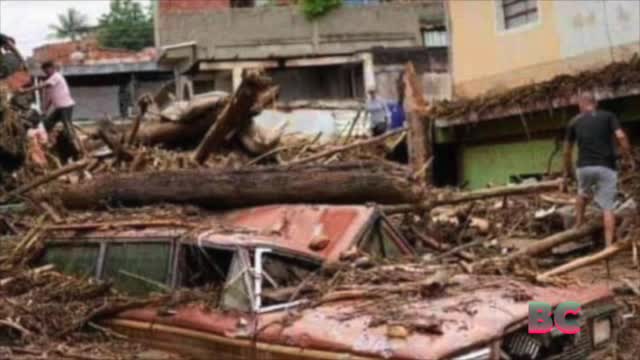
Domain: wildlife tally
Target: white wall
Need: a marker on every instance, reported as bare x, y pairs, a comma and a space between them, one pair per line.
589, 25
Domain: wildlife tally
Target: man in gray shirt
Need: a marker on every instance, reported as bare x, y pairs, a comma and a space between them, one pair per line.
378, 114
594, 131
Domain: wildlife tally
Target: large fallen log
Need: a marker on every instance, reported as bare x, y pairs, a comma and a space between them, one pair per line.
236, 116
183, 111
453, 198
342, 183
172, 134
584, 261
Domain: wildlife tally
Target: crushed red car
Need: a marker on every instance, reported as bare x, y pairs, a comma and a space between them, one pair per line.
243, 257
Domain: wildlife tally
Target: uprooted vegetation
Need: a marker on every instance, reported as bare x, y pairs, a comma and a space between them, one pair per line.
167, 162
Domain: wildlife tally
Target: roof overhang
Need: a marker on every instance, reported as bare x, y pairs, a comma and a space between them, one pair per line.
601, 94
113, 68
288, 62
181, 56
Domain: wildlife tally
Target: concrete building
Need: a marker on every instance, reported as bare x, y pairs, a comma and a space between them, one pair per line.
105, 83
361, 45
502, 46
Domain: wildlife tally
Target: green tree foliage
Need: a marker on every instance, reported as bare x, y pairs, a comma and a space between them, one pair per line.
314, 9
71, 25
127, 26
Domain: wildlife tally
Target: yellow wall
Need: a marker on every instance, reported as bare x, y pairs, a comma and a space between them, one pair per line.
487, 59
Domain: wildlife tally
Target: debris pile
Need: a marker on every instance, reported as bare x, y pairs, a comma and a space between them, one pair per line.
562, 87
183, 159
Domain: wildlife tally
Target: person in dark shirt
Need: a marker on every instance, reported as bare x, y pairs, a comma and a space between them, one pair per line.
595, 132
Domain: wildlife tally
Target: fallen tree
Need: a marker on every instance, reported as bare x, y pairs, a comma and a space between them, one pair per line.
171, 133
343, 183
183, 111
237, 114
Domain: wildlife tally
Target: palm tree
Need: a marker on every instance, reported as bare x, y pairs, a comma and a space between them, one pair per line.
70, 25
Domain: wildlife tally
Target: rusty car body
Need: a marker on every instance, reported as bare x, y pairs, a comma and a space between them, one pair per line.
245, 253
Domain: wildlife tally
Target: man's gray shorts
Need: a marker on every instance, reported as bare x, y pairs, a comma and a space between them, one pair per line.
598, 182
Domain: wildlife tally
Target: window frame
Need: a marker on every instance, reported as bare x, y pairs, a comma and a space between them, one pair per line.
104, 242
258, 276
502, 21
58, 243
435, 29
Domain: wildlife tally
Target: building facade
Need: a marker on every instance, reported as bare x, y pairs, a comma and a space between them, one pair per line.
530, 47
501, 44
361, 45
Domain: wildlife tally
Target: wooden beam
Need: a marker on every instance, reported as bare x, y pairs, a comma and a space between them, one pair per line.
584, 261
554, 240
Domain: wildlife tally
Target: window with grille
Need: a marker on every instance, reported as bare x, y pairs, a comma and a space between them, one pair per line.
516, 13
435, 37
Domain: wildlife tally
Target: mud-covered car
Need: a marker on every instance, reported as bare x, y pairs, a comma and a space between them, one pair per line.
245, 256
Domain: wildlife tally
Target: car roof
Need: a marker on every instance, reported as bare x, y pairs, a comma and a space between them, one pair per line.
291, 228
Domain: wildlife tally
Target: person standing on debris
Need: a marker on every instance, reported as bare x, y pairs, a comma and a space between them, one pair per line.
594, 130
378, 114
59, 101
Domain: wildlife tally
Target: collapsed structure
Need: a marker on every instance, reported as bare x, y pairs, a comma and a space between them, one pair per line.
203, 152
195, 220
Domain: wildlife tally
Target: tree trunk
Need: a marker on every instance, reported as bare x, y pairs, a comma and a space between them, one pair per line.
333, 184
183, 111
174, 134
236, 116
419, 137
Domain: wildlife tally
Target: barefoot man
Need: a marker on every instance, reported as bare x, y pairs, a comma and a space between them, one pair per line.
594, 131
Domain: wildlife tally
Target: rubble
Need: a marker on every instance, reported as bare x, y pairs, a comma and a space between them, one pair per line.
562, 87
193, 154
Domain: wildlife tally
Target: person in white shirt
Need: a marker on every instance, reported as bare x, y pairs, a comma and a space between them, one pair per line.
378, 114
59, 106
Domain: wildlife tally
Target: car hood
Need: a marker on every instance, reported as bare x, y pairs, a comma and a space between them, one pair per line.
438, 328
